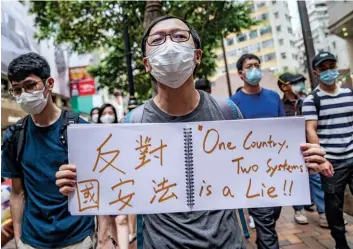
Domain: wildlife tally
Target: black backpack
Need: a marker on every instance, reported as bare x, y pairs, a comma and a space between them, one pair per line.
16, 140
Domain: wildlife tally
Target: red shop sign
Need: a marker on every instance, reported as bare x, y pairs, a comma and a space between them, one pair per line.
86, 87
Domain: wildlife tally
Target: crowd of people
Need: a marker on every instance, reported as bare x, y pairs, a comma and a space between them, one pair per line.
35, 156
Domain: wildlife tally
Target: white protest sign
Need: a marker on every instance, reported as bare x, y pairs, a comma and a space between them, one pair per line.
180, 167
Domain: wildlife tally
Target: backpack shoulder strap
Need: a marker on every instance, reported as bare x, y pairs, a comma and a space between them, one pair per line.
135, 116
316, 100
20, 136
67, 118
229, 109
16, 139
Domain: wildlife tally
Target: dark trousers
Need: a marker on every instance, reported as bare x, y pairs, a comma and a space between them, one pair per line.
265, 222
334, 198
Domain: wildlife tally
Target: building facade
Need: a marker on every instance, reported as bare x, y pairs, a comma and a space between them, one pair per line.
272, 41
341, 24
319, 16
17, 37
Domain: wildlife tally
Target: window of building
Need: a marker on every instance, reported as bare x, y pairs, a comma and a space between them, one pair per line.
278, 28
290, 31
264, 16
281, 42
334, 45
320, 5
254, 48
295, 57
230, 41
274, 2
283, 56
270, 57
253, 34
261, 4
285, 68
288, 18
232, 53
245, 50
241, 38
267, 43
276, 15
252, 7
265, 30
292, 44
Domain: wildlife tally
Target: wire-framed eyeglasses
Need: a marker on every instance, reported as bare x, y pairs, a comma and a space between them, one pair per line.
29, 86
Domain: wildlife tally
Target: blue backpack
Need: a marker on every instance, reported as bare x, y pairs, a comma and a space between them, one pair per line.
230, 112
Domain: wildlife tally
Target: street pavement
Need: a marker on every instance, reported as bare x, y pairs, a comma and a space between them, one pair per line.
291, 235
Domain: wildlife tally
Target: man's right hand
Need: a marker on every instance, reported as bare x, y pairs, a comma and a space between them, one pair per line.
66, 179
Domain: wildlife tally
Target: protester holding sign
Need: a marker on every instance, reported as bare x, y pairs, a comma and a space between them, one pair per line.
257, 102
172, 50
292, 87
328, 111
32, 152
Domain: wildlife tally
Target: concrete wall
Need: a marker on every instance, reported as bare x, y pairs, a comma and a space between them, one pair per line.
339, 9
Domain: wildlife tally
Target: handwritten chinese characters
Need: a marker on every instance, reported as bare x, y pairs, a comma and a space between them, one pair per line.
145, 150
88, 194
162, 187
124, 199
101, 154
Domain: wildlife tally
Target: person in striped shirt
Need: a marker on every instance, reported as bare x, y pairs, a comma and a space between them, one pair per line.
328, 111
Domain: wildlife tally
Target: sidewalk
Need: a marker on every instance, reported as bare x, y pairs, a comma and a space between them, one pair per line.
312, 236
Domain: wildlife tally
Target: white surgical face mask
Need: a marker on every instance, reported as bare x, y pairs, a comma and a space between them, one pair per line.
107, 119
32, 103
95, 118
172, 63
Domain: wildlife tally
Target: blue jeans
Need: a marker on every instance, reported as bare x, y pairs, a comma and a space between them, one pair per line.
316, 193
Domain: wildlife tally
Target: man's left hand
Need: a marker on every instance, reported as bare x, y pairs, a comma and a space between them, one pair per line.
315, 160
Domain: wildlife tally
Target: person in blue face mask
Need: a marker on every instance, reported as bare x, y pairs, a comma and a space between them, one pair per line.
293, 87
328, 111
255, 101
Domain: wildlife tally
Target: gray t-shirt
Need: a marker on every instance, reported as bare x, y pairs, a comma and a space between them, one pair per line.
206, 230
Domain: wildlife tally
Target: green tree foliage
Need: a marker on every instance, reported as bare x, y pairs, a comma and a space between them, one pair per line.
88, 26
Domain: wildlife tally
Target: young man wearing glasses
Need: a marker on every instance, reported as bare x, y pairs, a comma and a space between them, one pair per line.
39, 212
172, 50
329, 122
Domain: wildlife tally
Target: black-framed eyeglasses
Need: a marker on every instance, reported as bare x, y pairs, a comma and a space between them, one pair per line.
28, 86
175, 36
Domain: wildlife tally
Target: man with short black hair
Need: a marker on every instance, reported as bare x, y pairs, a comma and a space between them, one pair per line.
204, 85
258, 102
328, 111
40, 214
172, 51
